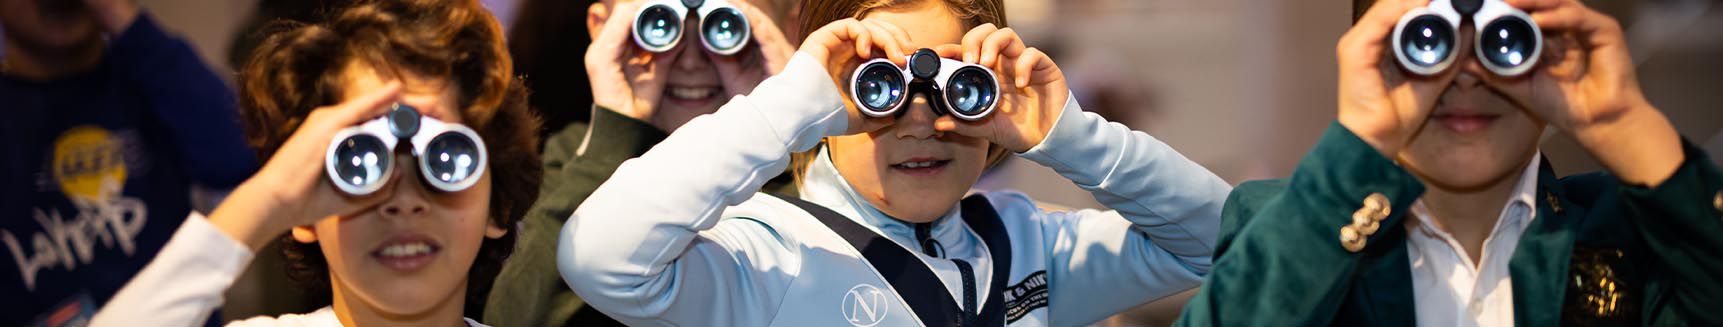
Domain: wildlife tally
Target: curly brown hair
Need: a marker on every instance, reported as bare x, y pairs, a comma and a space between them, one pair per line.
298, 68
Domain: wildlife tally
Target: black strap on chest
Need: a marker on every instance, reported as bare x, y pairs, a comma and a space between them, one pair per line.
919, 287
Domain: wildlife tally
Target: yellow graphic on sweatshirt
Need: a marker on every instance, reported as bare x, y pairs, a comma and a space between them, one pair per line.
88, 164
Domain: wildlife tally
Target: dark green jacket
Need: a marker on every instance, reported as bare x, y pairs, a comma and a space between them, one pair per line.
529, 291
1657, 252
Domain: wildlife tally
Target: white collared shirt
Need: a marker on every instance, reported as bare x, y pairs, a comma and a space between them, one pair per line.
1448, 289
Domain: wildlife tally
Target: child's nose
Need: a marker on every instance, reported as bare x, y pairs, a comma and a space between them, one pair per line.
689, 53
917, 120
407, 198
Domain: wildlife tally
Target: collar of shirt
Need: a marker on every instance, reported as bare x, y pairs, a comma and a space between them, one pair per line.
823, 185
1449, 289
1515, 216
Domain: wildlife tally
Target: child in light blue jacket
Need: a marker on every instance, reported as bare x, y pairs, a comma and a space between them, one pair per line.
886, 231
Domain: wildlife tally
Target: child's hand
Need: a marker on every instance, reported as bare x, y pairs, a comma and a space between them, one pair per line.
768, 54
292, 189
114, 15
1585, 75
1032, 89
1378, 102
844, 44
625, 78
1585, 85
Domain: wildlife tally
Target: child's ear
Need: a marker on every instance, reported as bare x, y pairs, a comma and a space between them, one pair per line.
304, 234
492, 231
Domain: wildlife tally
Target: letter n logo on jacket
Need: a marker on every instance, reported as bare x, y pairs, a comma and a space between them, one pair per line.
865, 305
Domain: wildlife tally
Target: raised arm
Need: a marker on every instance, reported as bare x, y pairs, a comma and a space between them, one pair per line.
649, 248
1157, 240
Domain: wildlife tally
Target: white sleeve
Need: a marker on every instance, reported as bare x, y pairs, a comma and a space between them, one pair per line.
643, 248
183, 284
1159, 236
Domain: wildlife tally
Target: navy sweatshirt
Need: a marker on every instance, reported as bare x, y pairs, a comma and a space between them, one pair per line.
97, 171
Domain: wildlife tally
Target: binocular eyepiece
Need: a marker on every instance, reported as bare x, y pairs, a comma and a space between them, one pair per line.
723, 28
1507, 42
361, 159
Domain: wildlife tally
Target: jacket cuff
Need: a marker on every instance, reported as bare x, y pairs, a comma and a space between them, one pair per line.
217, 250
1342, 171
1690, 197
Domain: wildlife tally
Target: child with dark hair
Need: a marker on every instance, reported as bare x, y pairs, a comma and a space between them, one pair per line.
405, 254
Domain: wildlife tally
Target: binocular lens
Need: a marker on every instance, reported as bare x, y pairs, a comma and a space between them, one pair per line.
1427, 40
362, 160
451, 158
1507, 42
724, 29
658, 26
971, 91
880, 87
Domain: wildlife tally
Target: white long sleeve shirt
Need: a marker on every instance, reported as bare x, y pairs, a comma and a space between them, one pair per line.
679, 236
185, 283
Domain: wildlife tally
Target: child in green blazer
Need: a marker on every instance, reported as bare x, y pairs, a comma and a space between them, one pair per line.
1428, 203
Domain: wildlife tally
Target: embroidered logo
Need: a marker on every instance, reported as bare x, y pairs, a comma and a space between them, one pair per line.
1026, 296
864, 305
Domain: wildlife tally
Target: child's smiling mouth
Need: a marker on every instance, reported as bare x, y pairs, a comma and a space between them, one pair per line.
407, 252
921, 166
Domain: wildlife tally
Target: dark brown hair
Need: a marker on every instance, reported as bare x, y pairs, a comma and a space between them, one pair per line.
298, 68
816, 14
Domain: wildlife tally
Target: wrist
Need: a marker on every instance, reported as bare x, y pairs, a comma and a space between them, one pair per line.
245, 216
1638, 145
1375, 133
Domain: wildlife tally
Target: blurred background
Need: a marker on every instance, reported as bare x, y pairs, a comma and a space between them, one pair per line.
1243, 87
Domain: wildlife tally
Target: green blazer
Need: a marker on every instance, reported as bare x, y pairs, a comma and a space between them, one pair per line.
529, 291
1599, 253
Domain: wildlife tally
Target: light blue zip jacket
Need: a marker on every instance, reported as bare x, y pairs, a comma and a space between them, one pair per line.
680, 236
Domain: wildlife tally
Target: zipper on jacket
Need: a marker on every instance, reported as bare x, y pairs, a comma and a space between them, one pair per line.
931, 247
969, 307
